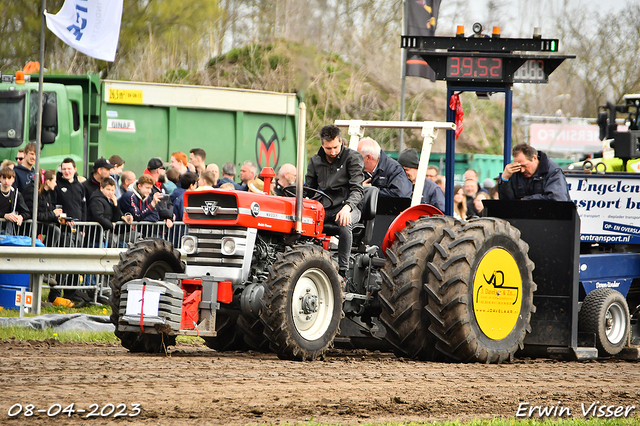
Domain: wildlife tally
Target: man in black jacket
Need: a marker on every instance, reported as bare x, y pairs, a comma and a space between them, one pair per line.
70, 193
532, 176
101, 170
338, 171
384, 172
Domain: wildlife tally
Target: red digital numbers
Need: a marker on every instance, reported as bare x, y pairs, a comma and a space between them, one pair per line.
473, 67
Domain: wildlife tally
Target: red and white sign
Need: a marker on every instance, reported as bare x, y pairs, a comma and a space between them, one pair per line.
28, 299
569, 138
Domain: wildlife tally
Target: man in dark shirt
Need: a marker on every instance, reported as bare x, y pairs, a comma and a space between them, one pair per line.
532, 176
338, 172
25, 171
383, 171
101, 170
70, 193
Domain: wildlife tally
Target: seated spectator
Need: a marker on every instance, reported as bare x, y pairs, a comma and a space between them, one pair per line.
286, 176
206, 181
12, 205
383, 171
188, 182
459, 203
431, 193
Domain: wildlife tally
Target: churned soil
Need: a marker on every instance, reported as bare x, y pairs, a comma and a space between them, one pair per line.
195, 385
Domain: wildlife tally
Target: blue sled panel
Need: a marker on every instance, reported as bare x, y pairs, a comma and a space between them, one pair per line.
609, 270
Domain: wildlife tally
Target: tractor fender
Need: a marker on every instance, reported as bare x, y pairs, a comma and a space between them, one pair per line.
399, 223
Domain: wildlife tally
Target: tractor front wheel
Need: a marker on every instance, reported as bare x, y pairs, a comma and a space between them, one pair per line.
302, 303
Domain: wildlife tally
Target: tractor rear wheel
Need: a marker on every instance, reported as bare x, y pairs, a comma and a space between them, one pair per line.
605, 313
480, 292
302, 303
403, 295
151, 258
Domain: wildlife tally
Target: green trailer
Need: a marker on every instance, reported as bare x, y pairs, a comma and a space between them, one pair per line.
98, 118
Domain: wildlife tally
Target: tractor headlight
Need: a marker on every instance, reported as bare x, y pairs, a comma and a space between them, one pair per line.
189, 244
228, 246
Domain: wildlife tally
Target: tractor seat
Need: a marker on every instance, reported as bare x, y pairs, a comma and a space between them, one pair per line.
364, 228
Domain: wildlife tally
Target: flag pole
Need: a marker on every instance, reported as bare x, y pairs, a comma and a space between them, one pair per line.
403, 74
36, 180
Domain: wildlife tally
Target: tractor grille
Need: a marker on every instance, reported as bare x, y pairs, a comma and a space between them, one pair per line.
207, 205
209, 258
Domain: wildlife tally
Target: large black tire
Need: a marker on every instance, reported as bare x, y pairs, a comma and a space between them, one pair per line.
605, 313
403, 296
150, 258
302, 279
480, 292
253, 332
229, 337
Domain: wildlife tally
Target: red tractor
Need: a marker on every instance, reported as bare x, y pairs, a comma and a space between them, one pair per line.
261, 273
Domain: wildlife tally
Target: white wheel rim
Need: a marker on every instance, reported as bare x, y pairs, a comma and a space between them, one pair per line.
312, 304
615, 323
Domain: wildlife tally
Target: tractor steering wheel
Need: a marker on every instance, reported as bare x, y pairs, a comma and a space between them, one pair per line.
290, 191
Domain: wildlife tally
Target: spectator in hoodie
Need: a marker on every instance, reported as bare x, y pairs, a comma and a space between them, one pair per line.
143, 203
118, 166
25, 172
101, 170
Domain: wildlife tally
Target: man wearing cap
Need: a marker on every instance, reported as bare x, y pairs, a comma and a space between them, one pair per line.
383, 171
431, 194
101, 169
164, 207
339, 172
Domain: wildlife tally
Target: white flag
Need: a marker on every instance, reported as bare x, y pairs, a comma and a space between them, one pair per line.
89, 26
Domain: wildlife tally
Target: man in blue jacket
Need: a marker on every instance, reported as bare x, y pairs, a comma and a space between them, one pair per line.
532, 176
383, 171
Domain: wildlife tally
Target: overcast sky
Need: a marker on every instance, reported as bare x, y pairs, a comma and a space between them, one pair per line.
517, 17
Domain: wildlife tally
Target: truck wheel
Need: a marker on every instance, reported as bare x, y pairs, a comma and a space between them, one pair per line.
229, 338
605, 313
403, 295
302, 303
150, 258
481, 292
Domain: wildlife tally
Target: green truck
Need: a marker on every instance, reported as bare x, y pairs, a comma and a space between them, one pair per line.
86, 118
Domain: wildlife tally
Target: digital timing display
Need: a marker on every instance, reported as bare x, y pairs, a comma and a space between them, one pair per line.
474, 68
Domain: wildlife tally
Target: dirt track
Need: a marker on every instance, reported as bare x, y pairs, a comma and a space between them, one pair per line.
195, 385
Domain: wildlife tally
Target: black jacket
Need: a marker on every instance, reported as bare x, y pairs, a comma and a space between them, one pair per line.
547, 183
71, 196
433, 195
391, 178
103, 211
14, 201
46, 203
91, 185
341, 180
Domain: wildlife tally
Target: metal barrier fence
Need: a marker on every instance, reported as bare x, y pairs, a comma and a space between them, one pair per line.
86, 235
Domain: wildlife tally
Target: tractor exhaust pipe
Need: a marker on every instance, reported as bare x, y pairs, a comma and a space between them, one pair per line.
302, 122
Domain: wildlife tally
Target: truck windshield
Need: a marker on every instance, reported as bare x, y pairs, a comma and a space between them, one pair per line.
11, 118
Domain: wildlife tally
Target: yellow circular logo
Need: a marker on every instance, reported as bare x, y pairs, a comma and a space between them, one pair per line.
497, 294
